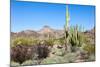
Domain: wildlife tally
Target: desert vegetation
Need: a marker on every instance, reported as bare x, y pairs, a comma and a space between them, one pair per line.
58, 41
74, 46
50, 46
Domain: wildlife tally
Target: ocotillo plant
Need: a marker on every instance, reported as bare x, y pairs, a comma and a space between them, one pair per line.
66, 27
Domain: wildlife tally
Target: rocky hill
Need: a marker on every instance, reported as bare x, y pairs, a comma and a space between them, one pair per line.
45, 32
90, 34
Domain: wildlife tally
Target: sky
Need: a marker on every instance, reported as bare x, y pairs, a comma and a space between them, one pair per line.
35, 15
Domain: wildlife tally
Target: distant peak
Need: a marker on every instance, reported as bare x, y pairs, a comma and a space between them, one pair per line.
46, 26
46, 29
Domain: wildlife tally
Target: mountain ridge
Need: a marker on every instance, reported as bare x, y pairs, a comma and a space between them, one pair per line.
45, 32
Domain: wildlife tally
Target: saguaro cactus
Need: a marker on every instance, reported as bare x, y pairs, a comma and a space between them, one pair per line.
67, 18
66, 27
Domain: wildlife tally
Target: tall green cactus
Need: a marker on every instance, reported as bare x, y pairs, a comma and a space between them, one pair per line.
67, 17
76, 37
66, 27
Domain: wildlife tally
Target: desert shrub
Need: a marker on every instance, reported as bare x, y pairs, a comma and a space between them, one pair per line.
24, 41
58, 50
20, 41
50, 42
89, 48
70, 57
31, 62
27, 62
12, 64
52, 60
21, 53
91, 58
59, 41
42, 49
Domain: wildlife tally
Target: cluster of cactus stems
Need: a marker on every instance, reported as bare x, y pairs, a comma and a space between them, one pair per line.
76, 38
72, 35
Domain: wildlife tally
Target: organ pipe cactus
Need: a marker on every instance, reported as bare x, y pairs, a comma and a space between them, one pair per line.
76, 37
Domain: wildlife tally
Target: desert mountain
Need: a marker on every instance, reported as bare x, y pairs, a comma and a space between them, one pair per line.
47, 31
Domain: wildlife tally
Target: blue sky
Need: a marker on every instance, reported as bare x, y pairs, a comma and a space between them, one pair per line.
35, 15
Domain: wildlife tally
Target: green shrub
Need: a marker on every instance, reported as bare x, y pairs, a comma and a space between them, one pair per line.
28, 62
52, 60
91, 58
12, 64
49, 42
89, 48
23, 41
70, 57
59, 41
58, 51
